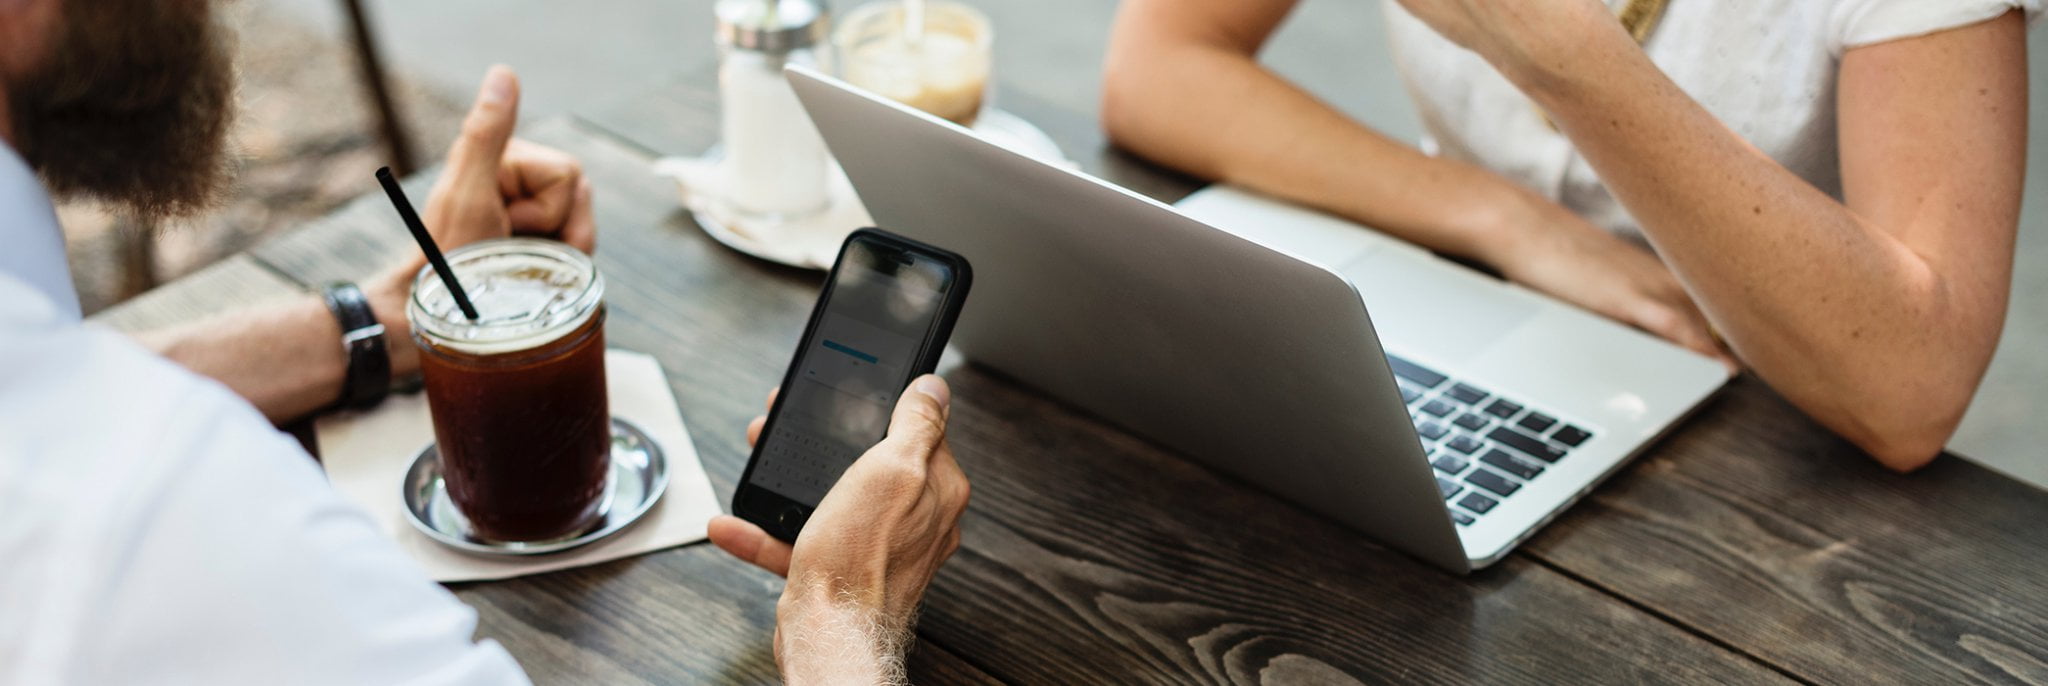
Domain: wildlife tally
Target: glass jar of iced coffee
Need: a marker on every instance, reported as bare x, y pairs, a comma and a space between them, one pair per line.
518, 394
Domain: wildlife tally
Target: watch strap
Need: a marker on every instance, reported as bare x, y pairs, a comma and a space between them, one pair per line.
368, 379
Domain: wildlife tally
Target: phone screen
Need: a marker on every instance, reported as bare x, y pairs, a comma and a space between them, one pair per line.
880, 308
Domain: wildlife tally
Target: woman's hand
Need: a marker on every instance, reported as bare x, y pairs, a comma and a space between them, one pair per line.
1516, 36
1560, 254
859, 571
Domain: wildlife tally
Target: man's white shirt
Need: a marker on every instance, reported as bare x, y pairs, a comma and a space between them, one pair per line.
155, 528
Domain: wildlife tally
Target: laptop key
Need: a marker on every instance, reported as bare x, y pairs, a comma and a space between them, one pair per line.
1462, 519
1503, 408
1415, 372
1493, 482
1465, 443
1438, 408
1477, 503
1571, 435
1537, 422
1529, 445
1470, 422
1450, 464
1410, 395
1449, 487
1511, 464
1432, 430
1466, 394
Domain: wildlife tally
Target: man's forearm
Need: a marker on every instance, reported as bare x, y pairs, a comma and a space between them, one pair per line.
286, 358
1218, 114
821, 639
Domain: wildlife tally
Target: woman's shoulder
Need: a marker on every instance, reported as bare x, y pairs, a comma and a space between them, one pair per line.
1856, 23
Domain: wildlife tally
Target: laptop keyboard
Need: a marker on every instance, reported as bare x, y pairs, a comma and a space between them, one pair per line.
1483, 446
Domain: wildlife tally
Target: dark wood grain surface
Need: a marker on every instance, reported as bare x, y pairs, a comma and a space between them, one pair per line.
238, 281
1750, 524
1750, 546
1756, 526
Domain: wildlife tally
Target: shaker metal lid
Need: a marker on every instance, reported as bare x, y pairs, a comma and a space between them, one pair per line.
775, 26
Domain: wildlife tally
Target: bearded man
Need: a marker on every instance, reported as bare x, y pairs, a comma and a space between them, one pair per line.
154, 527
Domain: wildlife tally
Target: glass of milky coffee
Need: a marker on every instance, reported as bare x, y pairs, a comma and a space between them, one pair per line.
939, 65
518, 395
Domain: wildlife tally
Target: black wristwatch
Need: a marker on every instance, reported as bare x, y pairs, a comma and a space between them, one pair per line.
369, 364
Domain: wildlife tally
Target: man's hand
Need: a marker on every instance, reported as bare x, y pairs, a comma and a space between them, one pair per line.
494, 185
860, 568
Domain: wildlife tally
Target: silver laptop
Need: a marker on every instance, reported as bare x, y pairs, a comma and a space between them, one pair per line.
1442, 411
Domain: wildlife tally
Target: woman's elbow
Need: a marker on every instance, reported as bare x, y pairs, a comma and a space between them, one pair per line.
1122, 107
1904, 454
1910, 435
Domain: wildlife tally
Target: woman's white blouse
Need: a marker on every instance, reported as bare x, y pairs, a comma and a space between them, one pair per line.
1766, 68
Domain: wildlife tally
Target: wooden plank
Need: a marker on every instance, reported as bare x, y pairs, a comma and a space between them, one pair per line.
928, 663
359, 240
237, 281
1756, 526
691, 615
678, 119
1088, 552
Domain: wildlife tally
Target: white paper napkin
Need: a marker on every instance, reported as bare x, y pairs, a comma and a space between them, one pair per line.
366, 455
811, 242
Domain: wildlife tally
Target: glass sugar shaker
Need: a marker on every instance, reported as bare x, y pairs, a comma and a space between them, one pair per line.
775, 165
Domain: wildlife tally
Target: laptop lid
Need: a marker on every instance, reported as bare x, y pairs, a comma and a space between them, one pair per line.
1251, 361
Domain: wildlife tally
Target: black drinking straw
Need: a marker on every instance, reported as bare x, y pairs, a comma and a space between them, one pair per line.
426, 240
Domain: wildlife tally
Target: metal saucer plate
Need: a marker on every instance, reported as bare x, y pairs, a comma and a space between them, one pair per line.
638, 477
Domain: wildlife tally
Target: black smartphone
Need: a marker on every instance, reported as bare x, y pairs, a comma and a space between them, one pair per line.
884, 316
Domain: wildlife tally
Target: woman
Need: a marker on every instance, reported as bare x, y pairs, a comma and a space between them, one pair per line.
1833, 186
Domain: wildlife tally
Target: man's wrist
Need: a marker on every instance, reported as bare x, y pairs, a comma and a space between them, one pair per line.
830, 637
387, 295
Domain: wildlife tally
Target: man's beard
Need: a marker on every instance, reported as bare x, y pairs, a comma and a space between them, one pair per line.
132, 106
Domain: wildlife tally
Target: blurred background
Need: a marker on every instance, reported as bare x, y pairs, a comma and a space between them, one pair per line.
310, 137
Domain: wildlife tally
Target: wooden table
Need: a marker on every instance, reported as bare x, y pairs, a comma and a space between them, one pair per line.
1749, 546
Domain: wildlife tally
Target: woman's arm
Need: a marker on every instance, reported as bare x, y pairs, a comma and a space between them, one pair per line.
1183, 87
1876, 315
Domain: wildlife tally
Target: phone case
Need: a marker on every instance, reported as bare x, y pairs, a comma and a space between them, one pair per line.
783, 517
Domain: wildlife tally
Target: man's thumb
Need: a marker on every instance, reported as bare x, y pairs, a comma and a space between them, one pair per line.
488, 127
920, 416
